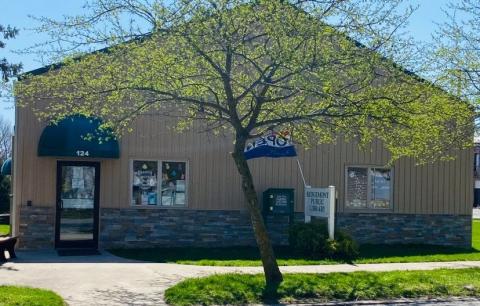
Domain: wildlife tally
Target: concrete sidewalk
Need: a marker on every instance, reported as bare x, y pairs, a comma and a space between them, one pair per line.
109, 280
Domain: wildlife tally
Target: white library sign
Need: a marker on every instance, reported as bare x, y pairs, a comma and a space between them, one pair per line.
320, 202
317, 201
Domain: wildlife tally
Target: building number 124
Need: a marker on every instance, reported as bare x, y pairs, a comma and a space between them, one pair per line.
82, 153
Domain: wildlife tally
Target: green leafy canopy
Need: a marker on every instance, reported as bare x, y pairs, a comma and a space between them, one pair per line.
245, 67
454, 61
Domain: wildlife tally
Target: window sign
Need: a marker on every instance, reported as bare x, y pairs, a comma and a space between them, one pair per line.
78, 187
368, 188
168, 189
77, 178
145, 183
357, 187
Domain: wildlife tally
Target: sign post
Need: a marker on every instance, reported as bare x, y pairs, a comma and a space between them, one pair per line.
320, 202
331, 212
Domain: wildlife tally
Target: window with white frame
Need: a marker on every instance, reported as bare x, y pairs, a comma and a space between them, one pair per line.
159, 183
368, 188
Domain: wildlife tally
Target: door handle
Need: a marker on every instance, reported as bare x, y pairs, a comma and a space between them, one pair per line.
60, 204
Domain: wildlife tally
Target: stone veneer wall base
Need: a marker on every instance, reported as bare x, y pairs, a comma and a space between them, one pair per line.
389, 228
143, 227
36, 228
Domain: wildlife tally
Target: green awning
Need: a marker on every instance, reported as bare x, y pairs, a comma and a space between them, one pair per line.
6, 167
78, 136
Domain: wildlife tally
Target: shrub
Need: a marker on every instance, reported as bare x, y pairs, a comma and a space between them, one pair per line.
343, 246
311, 240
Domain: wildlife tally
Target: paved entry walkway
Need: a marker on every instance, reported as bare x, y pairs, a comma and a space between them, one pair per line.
110, 280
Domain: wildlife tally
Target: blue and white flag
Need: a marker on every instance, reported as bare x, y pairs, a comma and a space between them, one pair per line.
272, 145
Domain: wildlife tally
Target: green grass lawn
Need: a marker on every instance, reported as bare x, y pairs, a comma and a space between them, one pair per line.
247, 289
4, 229
476, 234
24, 296
248, 256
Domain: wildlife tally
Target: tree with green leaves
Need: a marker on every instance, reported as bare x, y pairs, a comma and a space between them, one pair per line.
456, 52
319, 69
8, 70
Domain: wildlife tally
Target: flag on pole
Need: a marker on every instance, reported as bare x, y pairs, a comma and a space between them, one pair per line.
274, 144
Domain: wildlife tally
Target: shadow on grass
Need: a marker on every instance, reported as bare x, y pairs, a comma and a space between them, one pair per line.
270, 294
241, 255
196, 253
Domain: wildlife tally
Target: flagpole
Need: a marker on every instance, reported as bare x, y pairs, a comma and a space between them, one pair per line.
308, 218
301, 173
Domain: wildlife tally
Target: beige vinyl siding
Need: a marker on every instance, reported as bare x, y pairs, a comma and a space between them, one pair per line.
213, 182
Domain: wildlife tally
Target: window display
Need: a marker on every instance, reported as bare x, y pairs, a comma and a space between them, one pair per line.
380, 189
357, 187
78, 187
145, 183
147, 190
173, 183
368, 188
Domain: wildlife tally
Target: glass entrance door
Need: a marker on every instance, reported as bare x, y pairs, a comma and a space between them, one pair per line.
77, 204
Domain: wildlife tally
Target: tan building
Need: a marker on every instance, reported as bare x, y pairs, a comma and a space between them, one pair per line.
156, 187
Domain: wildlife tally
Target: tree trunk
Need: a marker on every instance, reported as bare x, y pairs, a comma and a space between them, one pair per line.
273, 276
